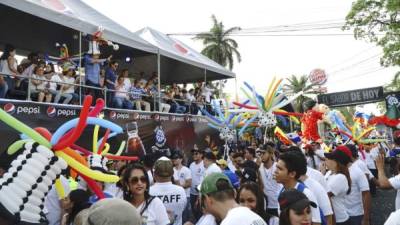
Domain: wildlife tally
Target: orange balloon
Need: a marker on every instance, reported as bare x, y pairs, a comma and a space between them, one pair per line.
77, 157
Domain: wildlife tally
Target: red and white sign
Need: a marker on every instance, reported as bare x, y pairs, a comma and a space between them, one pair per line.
318, 77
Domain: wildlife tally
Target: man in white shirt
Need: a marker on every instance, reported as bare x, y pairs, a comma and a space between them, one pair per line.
197, 170
209, 163
183, 178
53, 204
271, 188
371, 153
289, 168
173, 196
218, 198
358, 202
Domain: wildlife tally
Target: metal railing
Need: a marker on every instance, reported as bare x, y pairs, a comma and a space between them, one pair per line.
156, 98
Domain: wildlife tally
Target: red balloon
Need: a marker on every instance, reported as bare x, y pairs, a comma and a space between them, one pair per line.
44, 132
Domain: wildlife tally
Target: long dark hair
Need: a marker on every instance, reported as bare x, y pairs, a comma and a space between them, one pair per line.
80, 198
343, 169
260, 204
8, 48
125, 184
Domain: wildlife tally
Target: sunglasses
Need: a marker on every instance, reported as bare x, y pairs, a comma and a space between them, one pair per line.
135, 180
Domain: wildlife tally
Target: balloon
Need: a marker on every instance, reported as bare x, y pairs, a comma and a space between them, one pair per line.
81, 149
97, 108
211, 117
74, 134
106, 149
93, 186
121, 148
286, 102
86, 171
91, 120
44, 132
117, 157
60, 189
113, 134
248, 122
104, 142
16, 146
22, 128
244, 105
95, 138
272, 94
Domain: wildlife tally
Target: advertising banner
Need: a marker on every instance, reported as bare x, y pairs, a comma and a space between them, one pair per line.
143, 131
353, 97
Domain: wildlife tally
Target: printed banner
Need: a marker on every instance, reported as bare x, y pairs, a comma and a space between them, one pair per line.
144, 131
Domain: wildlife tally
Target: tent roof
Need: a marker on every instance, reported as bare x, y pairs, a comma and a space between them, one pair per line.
77, 15
175, 49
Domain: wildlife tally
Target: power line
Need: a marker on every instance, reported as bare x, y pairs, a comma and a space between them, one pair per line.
355, 64
361, 74
351, 57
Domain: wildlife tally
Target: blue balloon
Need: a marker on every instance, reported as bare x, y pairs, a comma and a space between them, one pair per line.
90, 120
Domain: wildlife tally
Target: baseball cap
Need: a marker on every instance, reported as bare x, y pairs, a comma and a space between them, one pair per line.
353, 149
163, 167
294, 199
111, 212
341, 154
222, 162
209, 184
249, 174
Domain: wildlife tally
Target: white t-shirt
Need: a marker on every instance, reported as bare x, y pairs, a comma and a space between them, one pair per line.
115, 191
321, 195
53, 81
52, 203
42, 84
213, 168
155, 214
395, 182
394, 218
338, 185
69, 80
173, 197
197, 171
206, 219
127, 83
370, 157
317, 176
315, 214
182, 175
363, 167
359, 183
271, 187
243, 216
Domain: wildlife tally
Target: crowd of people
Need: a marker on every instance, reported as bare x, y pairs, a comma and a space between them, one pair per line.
59, 83
255, 185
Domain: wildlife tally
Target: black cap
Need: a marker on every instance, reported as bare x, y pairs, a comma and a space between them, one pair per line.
341, 154
294, 199
177, 155
249, 174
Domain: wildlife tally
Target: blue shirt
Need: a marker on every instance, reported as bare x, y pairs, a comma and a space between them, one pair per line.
136, 93
232, 177
111, 76
92, 70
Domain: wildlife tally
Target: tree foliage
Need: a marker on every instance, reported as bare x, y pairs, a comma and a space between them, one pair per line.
377, 21
218, 46
295, 85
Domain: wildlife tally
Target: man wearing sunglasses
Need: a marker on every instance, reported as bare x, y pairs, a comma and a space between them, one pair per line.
173, 196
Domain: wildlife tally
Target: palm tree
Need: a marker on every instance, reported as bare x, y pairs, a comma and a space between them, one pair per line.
297, 84
218, 46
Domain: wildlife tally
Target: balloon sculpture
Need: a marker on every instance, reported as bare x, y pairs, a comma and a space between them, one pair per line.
24, 187
266, 108
226, 124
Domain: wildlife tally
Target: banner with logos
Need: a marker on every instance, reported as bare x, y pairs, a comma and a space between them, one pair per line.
144, 131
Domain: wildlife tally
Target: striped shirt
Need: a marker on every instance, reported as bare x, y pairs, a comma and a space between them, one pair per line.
136, 93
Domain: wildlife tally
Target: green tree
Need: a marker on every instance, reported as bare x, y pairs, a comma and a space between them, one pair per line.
218, 46
377, 21
295, 85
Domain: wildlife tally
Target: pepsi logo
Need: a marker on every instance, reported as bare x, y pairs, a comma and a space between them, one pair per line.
113, 115
51, 111
9, 108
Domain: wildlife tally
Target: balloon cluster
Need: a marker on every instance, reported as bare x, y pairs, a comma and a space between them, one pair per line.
227, 134
25, 185
267, 119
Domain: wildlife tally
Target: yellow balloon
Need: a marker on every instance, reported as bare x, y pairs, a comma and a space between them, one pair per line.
60, 189
85, 170
106, 149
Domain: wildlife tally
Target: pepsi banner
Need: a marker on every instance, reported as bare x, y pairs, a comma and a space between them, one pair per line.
144, 132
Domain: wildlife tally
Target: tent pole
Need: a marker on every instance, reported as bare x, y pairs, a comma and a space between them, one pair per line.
80, 68
205, 75
159, 79
236, 92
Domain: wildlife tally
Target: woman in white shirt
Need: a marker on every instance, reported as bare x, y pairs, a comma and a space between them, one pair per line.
121, 96
67, 88
39, 84
339, 182
136, 191
8, 66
